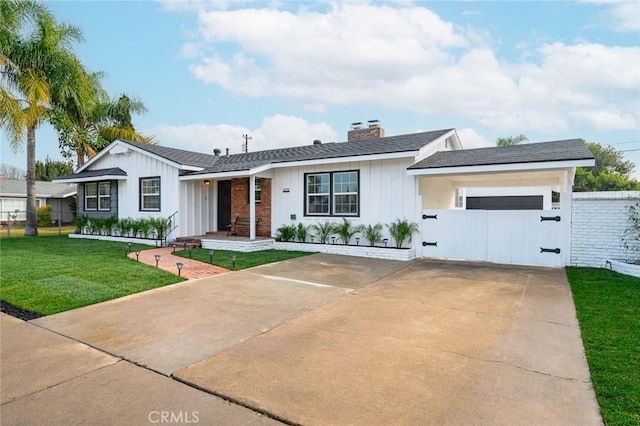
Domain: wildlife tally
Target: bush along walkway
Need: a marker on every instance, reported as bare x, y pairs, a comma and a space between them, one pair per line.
191, 269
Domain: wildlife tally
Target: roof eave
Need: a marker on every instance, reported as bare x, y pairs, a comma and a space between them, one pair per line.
349, 159
496, 168
90, 179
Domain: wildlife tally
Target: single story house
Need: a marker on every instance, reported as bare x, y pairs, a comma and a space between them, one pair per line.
371, 178
13, 200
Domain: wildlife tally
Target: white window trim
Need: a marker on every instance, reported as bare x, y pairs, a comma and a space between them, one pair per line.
317, 194
143, 196
335, 194
102, 197
86, 197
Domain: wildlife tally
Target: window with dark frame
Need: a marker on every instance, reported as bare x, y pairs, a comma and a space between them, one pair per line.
150, 194
104, 196
91, 196
332, 193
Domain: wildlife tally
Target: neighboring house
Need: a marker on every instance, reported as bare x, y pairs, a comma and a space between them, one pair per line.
13, 200
369, 179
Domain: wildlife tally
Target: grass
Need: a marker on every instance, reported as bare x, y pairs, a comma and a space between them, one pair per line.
608, 307
53, 274
222, 258
18, 231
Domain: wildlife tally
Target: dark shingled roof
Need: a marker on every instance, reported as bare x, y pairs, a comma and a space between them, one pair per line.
564, 150
180, 156
386, 145
115, 171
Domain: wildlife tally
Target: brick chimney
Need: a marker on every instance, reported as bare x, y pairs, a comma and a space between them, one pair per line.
359, 133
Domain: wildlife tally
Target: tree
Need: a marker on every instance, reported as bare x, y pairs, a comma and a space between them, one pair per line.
38, 72
50, 169
12, 172
511, 140
85, 132
610, 173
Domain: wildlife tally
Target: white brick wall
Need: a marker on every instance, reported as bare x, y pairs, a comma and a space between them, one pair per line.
599, 221
244, 246
359, 251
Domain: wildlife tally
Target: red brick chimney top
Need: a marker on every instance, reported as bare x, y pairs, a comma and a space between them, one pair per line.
359, 133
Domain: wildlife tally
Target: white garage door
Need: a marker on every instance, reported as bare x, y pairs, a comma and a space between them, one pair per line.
539, 237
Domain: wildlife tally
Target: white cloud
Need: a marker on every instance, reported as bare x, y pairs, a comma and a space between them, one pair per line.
470, 139
624, 15
277, 131
408, 58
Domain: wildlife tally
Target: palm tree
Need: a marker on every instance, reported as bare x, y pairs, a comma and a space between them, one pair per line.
38, 72
86, 132
511, 140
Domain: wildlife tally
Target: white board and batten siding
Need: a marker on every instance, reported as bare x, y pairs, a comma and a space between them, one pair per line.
514, 237
139, 166
198, 208
387, 193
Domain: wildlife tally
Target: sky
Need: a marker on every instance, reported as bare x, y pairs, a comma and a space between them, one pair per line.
289, 72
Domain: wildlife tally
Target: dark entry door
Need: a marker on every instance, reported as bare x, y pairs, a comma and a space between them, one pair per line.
224, 204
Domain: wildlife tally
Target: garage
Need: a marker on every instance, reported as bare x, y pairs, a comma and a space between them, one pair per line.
523, 215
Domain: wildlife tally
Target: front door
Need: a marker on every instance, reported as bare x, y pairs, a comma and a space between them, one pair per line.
224, 205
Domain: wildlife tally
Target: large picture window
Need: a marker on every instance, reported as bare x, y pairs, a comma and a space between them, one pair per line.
332, 194
150, 194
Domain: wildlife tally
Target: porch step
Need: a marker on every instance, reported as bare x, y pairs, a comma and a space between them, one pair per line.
188, 242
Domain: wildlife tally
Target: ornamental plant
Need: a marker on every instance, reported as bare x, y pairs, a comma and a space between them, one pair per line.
301, 233
402, 230
286, 232
372, 233
346, 230
323, 230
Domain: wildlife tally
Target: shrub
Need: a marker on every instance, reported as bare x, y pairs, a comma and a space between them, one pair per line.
323, 230
95, 225
109, 224
286, 232
161, 226
43, 215
346, 230
136, 228
301, 233
81, 222
372, 233
124, 226
146, 225
400, 230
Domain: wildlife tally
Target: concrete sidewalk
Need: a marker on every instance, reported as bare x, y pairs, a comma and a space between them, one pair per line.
48, 379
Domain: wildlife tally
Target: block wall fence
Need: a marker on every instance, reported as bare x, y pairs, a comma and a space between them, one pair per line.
598, 224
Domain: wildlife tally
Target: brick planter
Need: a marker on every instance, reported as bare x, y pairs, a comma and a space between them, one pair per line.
403, 254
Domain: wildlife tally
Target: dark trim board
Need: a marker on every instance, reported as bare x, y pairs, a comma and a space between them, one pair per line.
509, 202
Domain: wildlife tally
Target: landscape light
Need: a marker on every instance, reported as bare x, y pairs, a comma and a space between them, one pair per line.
179, 265
333, 240
210, 256
357, 241
190, 250
386, 240
137, 255
233, 261
157, 256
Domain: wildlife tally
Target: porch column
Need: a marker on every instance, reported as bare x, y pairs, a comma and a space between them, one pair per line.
252, 207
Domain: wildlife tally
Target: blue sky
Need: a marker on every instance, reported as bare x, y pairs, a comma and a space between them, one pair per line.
289, 72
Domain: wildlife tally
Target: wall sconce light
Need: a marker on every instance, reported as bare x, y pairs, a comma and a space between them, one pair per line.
206, 182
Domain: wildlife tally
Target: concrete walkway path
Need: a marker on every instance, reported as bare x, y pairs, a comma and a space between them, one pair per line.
191, 269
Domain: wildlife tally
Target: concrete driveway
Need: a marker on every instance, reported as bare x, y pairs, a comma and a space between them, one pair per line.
336, 340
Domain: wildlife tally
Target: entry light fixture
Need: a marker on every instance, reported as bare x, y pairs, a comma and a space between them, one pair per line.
206, 182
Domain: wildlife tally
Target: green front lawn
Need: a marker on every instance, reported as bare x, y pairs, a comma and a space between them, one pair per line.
18, 231
54, 274
243, 260
608, 308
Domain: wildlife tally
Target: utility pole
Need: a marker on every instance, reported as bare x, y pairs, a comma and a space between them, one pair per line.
245, 145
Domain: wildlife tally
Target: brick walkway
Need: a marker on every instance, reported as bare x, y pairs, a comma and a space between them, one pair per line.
191, 269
